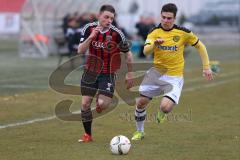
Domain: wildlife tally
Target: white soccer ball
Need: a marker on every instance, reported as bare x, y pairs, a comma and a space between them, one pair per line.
120, 145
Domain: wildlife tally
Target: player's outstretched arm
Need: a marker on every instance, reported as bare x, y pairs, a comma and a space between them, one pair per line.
129, 76
207, 72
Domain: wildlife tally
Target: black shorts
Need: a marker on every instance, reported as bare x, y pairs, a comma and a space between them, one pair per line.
92, 82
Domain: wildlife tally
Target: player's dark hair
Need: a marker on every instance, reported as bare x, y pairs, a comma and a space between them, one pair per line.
108, 8
170, 7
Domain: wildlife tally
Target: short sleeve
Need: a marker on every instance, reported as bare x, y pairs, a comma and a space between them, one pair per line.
85, 32
192, 39
122, 42
150, 39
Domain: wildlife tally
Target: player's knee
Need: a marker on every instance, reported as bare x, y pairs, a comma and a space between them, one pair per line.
166, 108
86, 105
103, 104
141, 103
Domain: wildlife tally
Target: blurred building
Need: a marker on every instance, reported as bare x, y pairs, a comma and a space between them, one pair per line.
10, 16
41, 23
41, 20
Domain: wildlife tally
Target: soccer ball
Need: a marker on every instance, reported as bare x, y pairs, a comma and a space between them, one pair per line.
215, 66
120, 145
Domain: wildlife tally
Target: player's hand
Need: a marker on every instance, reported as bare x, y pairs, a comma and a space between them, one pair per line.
129, 80
208, 74
95, 32
158, 42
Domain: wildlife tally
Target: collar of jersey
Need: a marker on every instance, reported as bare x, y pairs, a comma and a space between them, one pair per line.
105, 30
160, 26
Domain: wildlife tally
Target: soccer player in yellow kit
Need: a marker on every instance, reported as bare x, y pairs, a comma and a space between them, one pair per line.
166, 42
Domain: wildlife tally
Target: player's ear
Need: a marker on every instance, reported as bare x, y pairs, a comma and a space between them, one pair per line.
175, 17
98, 15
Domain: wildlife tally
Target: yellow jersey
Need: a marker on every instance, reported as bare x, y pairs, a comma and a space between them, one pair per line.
168, 57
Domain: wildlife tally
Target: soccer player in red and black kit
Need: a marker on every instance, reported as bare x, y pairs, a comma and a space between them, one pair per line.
105, 42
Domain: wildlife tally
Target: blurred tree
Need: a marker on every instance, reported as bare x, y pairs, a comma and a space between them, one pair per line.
133, 8
214, 20
182, 19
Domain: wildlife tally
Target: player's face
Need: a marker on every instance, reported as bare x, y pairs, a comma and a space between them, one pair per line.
167, 20
105, 18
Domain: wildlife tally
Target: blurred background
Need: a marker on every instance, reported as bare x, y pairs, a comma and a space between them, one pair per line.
40, 28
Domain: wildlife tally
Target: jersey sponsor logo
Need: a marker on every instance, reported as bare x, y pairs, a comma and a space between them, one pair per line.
111, 46
168, 48
97, 44
176, 38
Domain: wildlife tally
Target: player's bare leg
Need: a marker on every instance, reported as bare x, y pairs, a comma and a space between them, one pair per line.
166, 107
102, 102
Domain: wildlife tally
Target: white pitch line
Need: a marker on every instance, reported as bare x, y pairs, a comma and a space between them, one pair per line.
209, 85
53, 117
21, 86
46, 76
219, 75
22, 78
27, 122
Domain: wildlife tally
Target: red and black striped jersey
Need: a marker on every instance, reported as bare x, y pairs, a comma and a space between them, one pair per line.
104, 50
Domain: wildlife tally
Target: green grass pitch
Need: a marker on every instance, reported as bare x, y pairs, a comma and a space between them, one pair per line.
204, 126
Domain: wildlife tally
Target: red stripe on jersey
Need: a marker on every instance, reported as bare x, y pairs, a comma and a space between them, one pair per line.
110, 59
92, 58
105, 54
115, 62
100, 61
